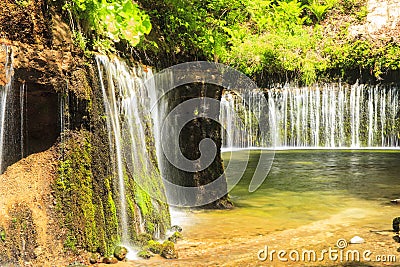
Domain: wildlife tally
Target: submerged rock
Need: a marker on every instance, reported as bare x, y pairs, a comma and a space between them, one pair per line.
169, 251
120, 252
110, 260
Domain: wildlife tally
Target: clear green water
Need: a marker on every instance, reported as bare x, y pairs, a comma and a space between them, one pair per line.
305, 186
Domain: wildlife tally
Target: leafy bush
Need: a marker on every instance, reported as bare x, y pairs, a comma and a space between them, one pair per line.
304, 39
115, 19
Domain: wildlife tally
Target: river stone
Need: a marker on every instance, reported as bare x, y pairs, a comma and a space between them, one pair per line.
120, 252
357, 240
110, 260
169, 251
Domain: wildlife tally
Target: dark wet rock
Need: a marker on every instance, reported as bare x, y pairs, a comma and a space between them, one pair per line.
176, 228
395, 224
175, 237
120, 252
145, 254
110, 260
169, 251
395, 201
154, 246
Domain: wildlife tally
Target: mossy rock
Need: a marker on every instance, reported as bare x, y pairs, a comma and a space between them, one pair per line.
94, 258
175, 237
154, 246
143, 239
3, 235
120, 252
169, 251
145, 254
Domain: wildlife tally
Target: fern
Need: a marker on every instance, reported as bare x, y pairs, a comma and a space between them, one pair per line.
318, 10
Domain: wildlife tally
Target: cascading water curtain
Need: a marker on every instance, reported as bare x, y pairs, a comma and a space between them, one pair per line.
240, 116
127, 110
5, 90
331, 116
336, 116
23, 99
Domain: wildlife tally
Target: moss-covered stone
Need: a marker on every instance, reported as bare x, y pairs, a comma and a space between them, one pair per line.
175, 237
145, 254
143, 239
154, 246
169, 251
120, 252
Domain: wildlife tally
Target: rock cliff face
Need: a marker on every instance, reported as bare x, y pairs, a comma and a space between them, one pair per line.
190, 138
383, 20
63, 114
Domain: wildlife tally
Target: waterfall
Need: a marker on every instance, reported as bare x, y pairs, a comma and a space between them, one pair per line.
5, 91
128, 119
240, 116
330, 116
22, 104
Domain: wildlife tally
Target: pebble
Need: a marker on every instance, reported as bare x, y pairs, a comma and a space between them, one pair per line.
357, 240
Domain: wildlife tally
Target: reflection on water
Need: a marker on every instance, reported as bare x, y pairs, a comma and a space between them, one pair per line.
344, 173
306, 186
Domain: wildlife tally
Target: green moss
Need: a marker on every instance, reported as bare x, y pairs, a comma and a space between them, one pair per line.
144, 254
154, 246
175, 237
75, 193
143, 239
2, 234
88, 218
